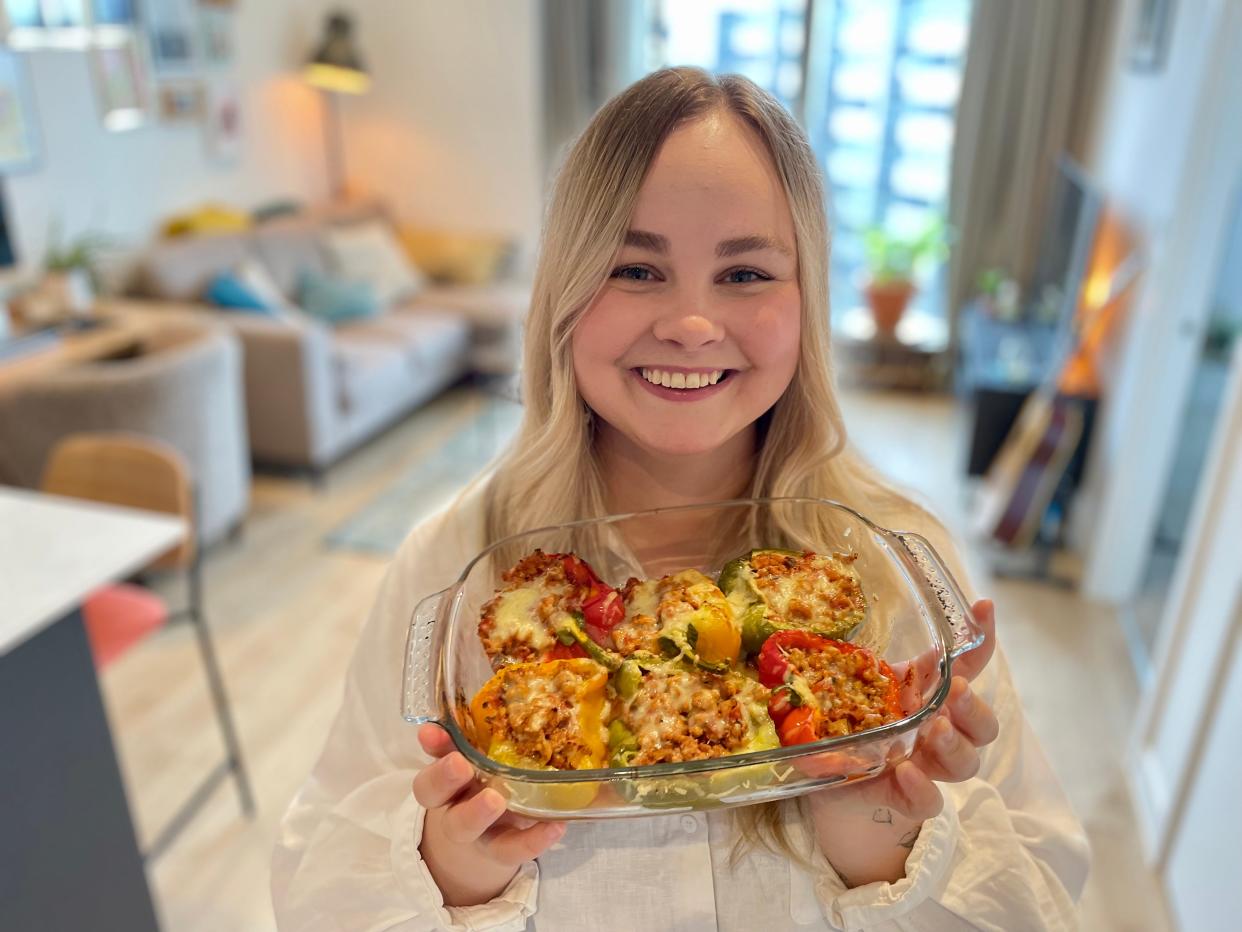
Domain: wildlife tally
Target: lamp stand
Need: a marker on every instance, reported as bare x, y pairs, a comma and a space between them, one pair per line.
334, 146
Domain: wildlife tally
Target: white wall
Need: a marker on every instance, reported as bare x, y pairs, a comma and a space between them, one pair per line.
1164, 158
127, 183
450, 134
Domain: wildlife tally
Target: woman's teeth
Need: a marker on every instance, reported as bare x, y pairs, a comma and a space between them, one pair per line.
681, 379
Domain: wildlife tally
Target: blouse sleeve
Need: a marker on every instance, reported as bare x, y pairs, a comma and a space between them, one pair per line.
347, 853
1007, 851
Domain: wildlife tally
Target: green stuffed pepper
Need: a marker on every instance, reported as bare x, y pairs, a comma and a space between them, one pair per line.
775, 590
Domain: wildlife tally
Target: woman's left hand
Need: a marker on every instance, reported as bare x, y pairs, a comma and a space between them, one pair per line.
900, 800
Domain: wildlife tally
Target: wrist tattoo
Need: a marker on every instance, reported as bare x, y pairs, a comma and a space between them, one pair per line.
882, 815
910, 837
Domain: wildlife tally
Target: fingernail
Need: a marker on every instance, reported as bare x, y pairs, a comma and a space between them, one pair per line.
946, 739
555, 831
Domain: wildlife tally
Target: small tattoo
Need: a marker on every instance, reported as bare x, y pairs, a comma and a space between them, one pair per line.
882, 815
909, 838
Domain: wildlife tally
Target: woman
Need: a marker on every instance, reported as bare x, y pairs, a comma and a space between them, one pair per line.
676, 352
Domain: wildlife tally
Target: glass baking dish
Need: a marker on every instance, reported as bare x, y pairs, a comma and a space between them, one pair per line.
916, 615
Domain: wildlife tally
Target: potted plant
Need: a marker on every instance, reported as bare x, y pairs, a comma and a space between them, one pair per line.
71, 269
892, 262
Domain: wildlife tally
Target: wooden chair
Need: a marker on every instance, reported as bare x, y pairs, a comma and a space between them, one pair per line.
139, 472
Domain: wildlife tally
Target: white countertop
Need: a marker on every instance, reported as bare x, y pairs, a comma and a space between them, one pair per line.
55, 551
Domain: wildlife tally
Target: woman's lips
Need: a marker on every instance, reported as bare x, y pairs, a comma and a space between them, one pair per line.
687, 394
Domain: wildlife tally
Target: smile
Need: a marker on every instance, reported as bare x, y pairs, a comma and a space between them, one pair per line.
682, 380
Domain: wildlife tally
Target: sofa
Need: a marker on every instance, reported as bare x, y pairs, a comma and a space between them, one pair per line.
183, 386
315, 391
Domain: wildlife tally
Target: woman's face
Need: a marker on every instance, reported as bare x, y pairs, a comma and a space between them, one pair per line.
695, 334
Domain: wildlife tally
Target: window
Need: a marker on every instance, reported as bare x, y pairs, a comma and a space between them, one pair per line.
874, 82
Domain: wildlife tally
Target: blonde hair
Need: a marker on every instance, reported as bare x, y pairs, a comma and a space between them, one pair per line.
551, 473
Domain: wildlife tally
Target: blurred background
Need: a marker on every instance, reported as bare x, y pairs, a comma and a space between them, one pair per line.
265, 265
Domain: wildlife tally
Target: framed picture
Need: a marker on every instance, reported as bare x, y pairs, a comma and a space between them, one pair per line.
19, 135
1150, 43
224, 123
216, 34
170, 26
181, 101
122, 85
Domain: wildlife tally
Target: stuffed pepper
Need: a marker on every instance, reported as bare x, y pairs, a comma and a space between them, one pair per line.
543, 716
552, 607
822, 688
774, 590
684, 615
678, 713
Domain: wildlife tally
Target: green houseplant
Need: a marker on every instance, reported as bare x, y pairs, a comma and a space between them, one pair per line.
893, 260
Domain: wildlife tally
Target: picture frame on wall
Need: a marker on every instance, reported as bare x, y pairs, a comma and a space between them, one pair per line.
122, 85
223, 124
1149, 45
19, 132
181, 101
171, 35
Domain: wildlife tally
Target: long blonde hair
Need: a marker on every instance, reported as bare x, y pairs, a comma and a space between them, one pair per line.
551, 473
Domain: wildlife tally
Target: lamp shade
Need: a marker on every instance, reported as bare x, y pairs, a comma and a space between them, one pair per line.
336, 64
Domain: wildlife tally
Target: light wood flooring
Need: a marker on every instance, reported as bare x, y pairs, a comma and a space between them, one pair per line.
286, 611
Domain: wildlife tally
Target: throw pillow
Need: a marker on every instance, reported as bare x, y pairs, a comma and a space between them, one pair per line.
369, 252
228, 292
254, 275
457, 258
336, 300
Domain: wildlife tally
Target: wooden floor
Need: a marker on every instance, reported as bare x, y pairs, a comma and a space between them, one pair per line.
286, 612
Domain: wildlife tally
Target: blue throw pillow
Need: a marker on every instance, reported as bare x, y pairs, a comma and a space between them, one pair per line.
336, 300
227, 292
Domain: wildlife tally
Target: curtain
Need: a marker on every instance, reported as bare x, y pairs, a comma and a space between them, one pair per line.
1028, 94
592, 49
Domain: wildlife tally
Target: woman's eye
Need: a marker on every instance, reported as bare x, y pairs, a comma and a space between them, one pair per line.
633, 273
745, 276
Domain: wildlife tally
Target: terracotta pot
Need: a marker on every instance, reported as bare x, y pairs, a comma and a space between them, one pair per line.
888, 302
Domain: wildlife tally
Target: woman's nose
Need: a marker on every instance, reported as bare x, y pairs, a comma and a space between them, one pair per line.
689, 329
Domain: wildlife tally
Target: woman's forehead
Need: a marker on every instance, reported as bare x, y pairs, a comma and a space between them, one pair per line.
713, 176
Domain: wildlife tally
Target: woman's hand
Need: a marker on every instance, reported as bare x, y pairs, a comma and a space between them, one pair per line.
867, 830
471, 844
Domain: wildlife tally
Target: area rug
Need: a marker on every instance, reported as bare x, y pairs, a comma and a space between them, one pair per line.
484, 426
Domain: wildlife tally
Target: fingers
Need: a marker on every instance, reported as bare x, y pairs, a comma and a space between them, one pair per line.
971, 715
971, 663
515, 846
439, 783
435, 740
945, 754
918, 797
466, 821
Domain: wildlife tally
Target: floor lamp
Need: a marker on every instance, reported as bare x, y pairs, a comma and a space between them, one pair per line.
336, 68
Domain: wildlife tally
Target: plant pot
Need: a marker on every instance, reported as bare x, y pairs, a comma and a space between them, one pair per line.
888, 302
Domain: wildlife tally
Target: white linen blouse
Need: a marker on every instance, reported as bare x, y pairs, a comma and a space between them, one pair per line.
1006, 853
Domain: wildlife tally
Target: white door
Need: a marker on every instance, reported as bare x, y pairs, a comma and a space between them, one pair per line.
1188, 744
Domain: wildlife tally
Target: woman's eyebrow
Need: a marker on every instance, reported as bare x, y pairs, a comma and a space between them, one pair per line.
752, 243
641, 239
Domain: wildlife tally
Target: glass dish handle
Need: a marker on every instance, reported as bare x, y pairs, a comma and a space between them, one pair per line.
966, 635
422, 659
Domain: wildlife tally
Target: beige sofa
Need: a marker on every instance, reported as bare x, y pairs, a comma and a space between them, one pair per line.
183, 387
314, 392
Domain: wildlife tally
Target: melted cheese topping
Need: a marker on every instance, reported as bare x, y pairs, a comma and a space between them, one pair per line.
809, 590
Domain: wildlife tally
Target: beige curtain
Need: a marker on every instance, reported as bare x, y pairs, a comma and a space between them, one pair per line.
1028, 94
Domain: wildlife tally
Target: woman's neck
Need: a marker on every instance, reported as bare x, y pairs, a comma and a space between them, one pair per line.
636, 479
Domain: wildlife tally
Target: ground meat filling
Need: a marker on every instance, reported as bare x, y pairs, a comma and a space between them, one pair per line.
538, 594
539, 717
853, 693
808, 587
690, 716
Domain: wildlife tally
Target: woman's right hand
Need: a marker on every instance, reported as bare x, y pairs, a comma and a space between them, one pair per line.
471, 844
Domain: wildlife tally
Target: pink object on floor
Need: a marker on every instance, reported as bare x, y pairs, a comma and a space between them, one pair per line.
118, 617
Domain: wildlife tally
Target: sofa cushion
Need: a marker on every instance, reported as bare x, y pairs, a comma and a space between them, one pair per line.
370, 252
425, 338
288, 248
181, 269
336, 300
368, 373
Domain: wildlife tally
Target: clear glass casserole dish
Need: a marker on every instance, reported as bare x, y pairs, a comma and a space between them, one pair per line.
916, 618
